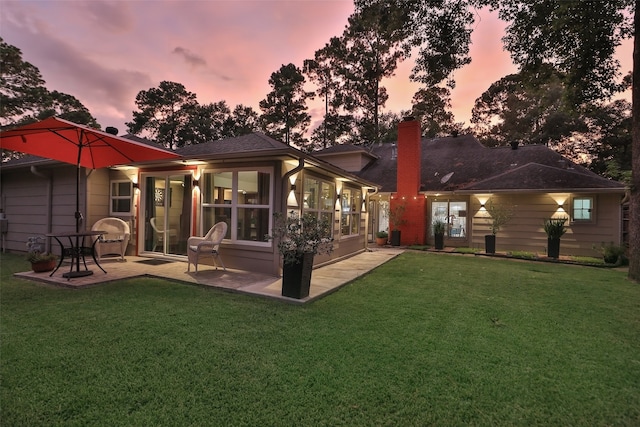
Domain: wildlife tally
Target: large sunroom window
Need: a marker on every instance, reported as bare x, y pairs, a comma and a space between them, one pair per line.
240, 198
319, 199
351, 205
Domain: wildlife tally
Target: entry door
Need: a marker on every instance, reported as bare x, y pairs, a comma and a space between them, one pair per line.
167, 213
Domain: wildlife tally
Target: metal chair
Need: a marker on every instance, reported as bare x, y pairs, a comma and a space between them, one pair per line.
207, 245
115, 238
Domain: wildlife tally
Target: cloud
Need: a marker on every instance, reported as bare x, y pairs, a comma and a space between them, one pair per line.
189, 57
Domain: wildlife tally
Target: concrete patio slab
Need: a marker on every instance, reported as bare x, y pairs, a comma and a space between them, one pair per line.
324, 280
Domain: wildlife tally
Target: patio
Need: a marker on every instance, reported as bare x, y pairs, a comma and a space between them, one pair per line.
324, 280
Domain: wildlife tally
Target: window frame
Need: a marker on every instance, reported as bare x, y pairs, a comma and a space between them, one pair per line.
319, 209
113, 197
355, 215
592, 209
235, 206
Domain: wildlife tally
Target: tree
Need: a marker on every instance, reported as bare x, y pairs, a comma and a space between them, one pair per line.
243, 120
25, 99
609, 144
164, 114
579, 38
432, 106
284, 112
368, 51
527, 107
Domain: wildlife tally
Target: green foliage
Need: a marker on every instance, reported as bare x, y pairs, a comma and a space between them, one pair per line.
438, 227
613, 254
296, 235
500, 215
555, 227
579, 38
382, 234
396, 215
477, 341
24, 97
284, 110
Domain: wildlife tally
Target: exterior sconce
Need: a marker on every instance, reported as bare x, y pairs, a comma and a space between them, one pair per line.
136, 185
482, 206
196, 183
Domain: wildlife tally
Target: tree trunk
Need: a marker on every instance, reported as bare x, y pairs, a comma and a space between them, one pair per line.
634, 206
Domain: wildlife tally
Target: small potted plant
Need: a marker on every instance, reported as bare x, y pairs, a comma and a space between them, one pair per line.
381, 238
500, 215
40, 261
439, 228
299, 239
555, 229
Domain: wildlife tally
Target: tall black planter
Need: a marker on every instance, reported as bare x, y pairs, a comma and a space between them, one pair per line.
553, 248
296, 277
439, 241
490, 243
395, 238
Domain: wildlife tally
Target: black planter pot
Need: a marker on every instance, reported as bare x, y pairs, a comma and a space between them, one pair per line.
490, 243
395, 238
439, 241
296, 277
553, 248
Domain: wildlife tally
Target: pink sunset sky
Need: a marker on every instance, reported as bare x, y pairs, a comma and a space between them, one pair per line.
105, 52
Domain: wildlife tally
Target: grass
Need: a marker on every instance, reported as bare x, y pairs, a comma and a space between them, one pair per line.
426, 339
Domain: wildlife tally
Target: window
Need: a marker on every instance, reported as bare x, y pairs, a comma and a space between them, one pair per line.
319, 199
582, 210
121, 195
351, 203
453, 214
242, 199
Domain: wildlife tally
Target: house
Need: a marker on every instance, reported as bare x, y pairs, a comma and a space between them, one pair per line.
455, 179
242, 181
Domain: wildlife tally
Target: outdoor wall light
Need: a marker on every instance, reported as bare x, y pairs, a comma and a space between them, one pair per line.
293, 187
136, 185
482, 206
196, 183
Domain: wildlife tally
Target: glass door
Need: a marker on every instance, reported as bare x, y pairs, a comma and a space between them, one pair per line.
167, 213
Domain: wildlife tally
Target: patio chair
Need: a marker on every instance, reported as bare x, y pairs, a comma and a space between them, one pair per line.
115, 238
158, 235
207, 245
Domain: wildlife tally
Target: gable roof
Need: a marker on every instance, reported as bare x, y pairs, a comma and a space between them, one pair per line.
463, 164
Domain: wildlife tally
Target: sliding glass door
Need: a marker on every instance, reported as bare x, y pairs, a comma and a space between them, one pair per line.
167, 212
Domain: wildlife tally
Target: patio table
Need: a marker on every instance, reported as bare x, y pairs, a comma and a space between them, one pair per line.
76, 250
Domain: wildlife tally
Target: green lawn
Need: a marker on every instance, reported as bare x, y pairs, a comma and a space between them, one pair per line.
426, 339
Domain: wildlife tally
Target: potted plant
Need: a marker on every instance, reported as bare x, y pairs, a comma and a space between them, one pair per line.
381, 238
299, 239
40, 261
500, 215
555, 228
396, 220
439, 228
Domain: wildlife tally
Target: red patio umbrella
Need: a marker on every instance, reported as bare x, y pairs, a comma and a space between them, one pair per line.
68, 142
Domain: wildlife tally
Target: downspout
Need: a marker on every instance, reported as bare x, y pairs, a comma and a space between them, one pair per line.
49, 202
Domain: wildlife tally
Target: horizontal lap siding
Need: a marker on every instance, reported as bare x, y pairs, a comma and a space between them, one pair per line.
525, 231
26, 198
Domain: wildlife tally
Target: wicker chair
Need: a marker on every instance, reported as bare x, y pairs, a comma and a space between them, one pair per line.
115, 239
207, 245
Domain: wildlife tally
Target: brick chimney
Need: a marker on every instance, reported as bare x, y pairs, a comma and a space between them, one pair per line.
414, 229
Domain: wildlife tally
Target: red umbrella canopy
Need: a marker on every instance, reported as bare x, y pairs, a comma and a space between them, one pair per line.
68, 142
